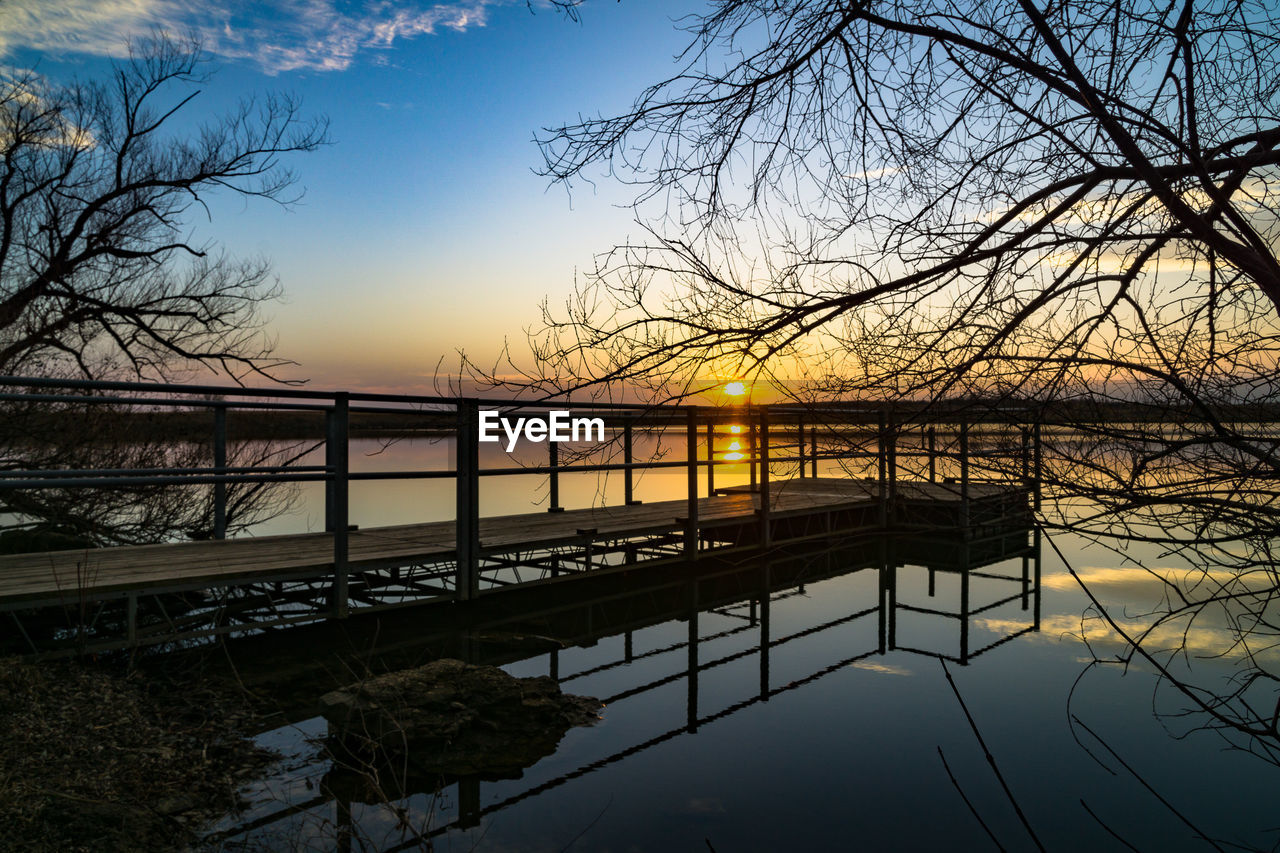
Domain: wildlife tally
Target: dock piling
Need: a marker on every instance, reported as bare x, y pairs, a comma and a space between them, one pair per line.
691, 450
467, 529
553, 462
764, 477
339, 446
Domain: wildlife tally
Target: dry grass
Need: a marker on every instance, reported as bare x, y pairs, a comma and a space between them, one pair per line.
93, 757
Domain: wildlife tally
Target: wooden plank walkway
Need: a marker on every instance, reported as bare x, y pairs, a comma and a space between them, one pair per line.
72, 576
907, 490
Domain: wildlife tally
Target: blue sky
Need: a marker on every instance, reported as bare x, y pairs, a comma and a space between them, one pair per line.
423, 227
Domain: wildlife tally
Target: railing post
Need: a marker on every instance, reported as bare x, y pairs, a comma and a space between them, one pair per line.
891, 458
813, 451
765, 536
628, 493
467, 524
330, 464
219, 464
751, 446
711, 457
964, 476
691, 469
1026, 457
339, 445
881, 466
800, 442
553, 453
933, 455
1037, 446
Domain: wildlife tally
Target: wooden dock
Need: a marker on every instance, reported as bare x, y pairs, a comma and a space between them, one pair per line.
126, 596
236, 584
61, 577
728, 518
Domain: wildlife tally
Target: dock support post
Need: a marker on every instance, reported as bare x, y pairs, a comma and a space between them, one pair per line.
882, 599
691, 708
711, 458
964, 604
765, 598
628, 491
220, 464
553, 453
1026, 581
339, 446
766, 537
467, 525
891, 597
964, 478
1035, 588
691, 468
751, 446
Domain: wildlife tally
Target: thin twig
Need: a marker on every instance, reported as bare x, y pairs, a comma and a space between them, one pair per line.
991, 758
972, 809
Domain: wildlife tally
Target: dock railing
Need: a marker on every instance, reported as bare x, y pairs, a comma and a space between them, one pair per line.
804, 441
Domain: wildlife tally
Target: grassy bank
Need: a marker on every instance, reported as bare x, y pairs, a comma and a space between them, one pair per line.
97, 757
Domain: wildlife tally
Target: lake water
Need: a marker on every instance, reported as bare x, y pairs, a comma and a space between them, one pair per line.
804, 730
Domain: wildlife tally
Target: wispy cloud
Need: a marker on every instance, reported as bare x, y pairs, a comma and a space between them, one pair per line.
288, 35
886, 668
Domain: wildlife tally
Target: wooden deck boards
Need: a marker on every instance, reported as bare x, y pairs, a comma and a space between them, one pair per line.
910, 490
66, 575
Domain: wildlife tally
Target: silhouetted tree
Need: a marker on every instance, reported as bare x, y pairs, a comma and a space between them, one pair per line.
98, 273
1072, 205
100, 277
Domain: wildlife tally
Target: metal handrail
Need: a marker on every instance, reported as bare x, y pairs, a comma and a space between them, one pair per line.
339, 406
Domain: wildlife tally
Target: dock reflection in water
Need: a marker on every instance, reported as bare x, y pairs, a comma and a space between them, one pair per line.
728, 636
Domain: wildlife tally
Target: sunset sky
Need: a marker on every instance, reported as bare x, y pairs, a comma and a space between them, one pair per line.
423, 228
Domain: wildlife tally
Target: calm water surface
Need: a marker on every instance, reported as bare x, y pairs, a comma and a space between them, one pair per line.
800, 733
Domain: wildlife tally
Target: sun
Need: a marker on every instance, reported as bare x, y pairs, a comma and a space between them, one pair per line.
735, 389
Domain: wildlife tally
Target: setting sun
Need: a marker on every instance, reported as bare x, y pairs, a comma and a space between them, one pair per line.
735, 389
